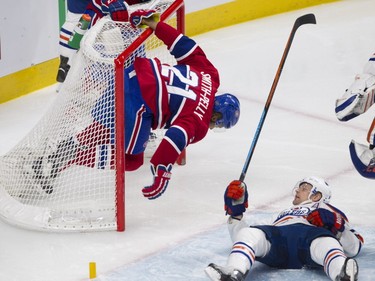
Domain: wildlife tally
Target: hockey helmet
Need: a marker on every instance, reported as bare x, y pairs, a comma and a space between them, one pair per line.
318, 185
229, 107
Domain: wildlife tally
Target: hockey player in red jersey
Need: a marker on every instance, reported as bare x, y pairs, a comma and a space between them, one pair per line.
311, 233
180, 98
186, 102
358, 98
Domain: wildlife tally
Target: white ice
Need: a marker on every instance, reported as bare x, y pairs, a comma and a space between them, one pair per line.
177, 235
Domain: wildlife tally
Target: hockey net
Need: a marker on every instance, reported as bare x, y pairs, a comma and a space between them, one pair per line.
67, 173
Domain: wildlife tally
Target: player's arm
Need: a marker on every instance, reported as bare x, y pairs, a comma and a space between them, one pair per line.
173, 143
236, 199
330, 219
336, 221
183, 48
351, 241
235, 204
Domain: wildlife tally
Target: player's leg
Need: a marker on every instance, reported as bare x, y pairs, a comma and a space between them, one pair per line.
66, 52
357, 99
48, 164
249, 243
349, 271
138, 122
328, 252
75, 9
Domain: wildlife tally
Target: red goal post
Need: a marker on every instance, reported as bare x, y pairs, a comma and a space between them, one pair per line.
150, 43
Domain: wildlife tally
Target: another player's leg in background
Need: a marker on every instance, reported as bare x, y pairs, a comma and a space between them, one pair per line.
66, 52
75, 9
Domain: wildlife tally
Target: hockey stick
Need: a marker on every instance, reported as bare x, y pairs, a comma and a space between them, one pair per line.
305, 19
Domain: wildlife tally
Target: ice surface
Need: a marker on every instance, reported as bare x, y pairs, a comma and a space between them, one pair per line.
177, 235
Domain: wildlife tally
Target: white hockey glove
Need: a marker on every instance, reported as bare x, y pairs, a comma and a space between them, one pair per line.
363, 159
357, 99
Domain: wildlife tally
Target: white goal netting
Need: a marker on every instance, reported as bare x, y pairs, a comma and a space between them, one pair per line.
62, 175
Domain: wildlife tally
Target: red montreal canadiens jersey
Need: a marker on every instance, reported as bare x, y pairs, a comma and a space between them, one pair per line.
181, 97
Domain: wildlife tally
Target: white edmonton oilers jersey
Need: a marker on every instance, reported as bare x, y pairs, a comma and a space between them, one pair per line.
298, 213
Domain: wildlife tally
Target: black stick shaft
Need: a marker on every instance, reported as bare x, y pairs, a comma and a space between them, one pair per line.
305, 19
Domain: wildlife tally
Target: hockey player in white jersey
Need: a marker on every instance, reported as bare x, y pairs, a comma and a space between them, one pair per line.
75, 10
311, 233
357, 100
96, 9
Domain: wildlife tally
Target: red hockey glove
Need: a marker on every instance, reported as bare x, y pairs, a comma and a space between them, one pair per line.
118, 10
235, 198
327, 219
162, 176
137, 17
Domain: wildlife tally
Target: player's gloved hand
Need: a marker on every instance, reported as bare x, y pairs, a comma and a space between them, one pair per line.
118, 10
162, 175
137, 17
334, 222
236, 198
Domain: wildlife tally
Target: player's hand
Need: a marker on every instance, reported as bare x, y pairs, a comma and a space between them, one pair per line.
334, 222
137, 17
162, 175
236, 198
118, 10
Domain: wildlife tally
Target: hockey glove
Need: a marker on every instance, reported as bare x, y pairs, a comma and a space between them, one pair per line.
137, 17
162, 175
327, 219
363, 158
118, 10
235, 198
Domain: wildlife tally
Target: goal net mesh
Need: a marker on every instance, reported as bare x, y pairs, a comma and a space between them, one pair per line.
62, 175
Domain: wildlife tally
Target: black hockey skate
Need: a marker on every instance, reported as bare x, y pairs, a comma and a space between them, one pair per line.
218, 273
349, 271
47, 168
45, 182
66, 151
63, 69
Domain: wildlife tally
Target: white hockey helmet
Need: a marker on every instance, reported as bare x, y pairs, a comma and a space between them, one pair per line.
318, 185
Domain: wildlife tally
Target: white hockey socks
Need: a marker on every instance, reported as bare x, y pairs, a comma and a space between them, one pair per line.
328, 252
249, 241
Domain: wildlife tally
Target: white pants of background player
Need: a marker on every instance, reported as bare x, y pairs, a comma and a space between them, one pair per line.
66, 30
